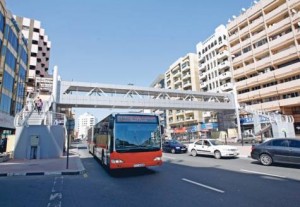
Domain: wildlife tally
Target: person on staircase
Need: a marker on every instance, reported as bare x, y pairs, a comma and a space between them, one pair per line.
39, 105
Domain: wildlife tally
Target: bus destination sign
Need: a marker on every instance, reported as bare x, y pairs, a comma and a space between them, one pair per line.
132, 118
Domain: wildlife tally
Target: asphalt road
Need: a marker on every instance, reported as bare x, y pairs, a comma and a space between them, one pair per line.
181, 181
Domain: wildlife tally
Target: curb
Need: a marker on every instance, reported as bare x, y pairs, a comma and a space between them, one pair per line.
80, 172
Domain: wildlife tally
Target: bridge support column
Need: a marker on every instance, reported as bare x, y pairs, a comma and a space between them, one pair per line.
54, 87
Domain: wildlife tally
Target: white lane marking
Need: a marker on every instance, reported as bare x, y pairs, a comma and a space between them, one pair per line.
204, 186
261, 173
56, 192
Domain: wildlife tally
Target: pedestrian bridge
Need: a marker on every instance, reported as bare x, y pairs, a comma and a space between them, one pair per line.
97, 95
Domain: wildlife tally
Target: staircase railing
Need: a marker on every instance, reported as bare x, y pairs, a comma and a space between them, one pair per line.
22, 117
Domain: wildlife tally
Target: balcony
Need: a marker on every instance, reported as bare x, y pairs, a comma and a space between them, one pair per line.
186, 76
223, 54
185, 66
254, 94
187, 84
246, 42
249, 68
238, 73
268, 91
233, 37
176, 81
260, 49
244, 30
287, 71
202, 59
189, 112
243, 97
236, 48
288, 86
202, 68
256, 23
275, 27
259, 35
176, 74
290, 101
224, 65
191, 118
227, 87
203, 85
275, 12
263, 62
224, 76
202, 76
281, 40
285, 54
296, 17
292, 2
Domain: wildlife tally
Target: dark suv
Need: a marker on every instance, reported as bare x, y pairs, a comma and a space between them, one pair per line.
284, 150
174, 146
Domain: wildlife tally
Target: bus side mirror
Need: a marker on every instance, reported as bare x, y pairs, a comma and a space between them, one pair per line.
162, 130
111, 124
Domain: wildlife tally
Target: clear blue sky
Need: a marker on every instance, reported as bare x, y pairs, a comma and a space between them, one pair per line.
124, 41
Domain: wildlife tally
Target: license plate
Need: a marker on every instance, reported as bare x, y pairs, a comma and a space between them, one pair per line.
139, 165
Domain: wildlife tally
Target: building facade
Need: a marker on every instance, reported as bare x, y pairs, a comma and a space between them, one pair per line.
13, 70
265, 46
85, 121
183, 75
215, 75
39, 51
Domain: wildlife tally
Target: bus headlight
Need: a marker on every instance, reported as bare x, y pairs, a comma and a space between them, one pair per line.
116, 161
157, 159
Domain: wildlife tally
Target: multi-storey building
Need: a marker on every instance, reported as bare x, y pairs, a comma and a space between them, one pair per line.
13, 69
214, 72
39, 47
265, 47
85, 121
183, 75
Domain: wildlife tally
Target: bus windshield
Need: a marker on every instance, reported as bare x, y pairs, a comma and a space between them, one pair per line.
137, 137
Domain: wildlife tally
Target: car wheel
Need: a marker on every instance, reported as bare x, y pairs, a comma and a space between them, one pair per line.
217, 154
253, 141
265, 159
194, 153
173, 151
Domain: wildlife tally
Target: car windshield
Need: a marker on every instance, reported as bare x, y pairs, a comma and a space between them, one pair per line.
137, 137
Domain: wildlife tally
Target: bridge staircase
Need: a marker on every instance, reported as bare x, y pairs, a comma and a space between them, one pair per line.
281, 125
39, 135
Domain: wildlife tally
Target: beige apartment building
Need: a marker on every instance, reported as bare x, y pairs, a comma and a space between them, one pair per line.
264, 43
183, 75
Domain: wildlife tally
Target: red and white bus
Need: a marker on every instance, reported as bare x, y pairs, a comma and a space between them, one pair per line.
125, 140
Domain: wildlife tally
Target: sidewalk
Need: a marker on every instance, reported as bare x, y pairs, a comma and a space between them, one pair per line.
17, 167
245, 151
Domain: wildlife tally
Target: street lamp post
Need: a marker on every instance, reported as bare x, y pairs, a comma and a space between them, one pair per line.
70, 127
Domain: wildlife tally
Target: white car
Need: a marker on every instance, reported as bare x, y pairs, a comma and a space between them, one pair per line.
212, 147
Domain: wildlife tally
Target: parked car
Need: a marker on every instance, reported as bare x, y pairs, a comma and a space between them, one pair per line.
284, 150
174, 146
212, 147
249, 139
